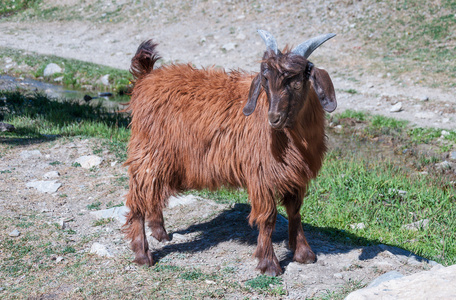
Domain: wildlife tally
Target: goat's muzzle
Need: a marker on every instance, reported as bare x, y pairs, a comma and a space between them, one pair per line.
277, 120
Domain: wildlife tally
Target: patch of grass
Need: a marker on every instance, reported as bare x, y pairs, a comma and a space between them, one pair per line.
347, 288
76, 74
352, 114
37, 116
94, 206
10, 7
102, 222
55, 163
411, 36
267, 284
352, 189
192, 275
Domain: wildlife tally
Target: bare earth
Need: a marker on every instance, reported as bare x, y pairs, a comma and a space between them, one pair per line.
206, 234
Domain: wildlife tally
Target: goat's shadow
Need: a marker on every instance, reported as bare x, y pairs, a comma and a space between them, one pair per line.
232, 225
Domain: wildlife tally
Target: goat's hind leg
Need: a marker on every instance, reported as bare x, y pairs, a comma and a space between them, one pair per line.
297, 241
135, 231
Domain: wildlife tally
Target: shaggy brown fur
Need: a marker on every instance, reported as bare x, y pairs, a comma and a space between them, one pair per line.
188, 131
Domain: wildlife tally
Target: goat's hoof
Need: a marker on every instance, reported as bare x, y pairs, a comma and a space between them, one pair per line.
160, 235
304, 256
144, 259
269, 267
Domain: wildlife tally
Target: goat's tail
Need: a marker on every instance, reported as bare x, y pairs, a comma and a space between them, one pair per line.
144, 60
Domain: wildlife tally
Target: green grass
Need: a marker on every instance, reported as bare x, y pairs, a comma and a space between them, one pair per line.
38, 117
411, 36
76, 74
10, 7
266, 285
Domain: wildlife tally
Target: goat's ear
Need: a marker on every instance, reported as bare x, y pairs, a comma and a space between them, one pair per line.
324, 88
254, 93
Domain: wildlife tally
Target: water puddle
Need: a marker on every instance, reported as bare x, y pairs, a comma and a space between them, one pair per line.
108, 100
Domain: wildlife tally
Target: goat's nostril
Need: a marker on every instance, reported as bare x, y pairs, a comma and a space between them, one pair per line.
274, 117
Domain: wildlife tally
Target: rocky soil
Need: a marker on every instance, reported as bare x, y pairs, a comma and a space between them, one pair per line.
65, 184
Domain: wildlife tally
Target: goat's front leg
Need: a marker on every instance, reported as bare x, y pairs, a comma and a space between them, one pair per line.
296, 239
134, 229
268, 262
156, 224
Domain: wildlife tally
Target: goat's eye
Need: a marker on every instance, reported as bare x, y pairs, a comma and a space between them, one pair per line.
296, 85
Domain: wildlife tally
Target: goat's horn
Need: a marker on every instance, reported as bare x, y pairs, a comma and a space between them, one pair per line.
269, 40
306, 48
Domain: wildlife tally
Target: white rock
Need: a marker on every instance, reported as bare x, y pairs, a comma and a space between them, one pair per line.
424, 98
58, 79
51, 69
240, 36
434, 284
453, 155
397, 107
14, 233
444, 133
117, 213
100, 250
105, 79
51, 174
44, 186
181, 200
58, 259
358, 226
89, 161
229, 46
421, 224
27, 154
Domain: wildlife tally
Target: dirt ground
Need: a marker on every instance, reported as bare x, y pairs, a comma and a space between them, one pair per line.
223, 34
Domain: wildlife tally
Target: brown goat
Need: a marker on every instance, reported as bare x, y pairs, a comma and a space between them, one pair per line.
189, 131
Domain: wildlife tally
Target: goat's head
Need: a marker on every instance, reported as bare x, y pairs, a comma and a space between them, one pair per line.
286, 79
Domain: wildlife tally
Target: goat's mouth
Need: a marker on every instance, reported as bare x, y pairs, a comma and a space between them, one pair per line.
278, 123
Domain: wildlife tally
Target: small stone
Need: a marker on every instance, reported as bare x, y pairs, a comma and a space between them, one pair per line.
117, 213
5, 127
105, 80
399, 192
51, 174
338, 275
240, 36
14, 233
27, 154
183, 200
397, 107
444, 165
229, 46
358, 226
444, 133
209, 281
62, 224
421, 224
44, 186
100, 250
51, 69
424, 98
178, 237
453, 155
58, 79
89, 161
58, 259
113, 163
